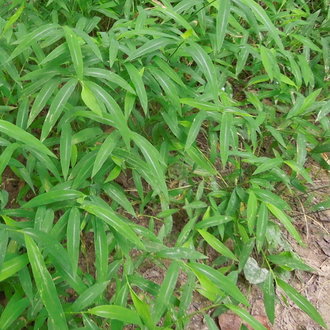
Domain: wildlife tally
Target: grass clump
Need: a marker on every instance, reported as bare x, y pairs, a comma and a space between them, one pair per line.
150, 133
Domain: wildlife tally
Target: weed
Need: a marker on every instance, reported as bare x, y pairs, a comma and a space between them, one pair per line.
161, 129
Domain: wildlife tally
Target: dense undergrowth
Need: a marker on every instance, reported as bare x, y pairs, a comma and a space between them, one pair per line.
164, 130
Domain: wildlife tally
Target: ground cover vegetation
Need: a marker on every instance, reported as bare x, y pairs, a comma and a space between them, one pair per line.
165, 133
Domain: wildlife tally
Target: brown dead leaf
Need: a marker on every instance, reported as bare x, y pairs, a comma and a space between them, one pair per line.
230, 321
263, 320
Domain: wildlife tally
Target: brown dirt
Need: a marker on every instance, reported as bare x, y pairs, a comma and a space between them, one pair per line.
315, 228
12, 184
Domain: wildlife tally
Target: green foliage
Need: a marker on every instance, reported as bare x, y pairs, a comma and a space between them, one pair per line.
161, 129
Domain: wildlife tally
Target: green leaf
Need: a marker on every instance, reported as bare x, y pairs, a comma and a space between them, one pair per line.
170, 72
13, 310
244, 315
167, 213
214, 221
138, 83
45, 284
75, 51
261, 228
116, 113
89, 99
299, 170
12, 19
301, 302
89, 296
113, 50
303, 104
27, 40
41, 100
6, 156
143, 309
117, 194
194, 129
57, 107
105, 151
226, 124
246, 252
306, 42
204, 62
223, 282
320, 148
262, 16
207, 106
211, 325
19, 134
222, 22
321, 206
152, 157
12, 266
301, 149
91, 42
115, 312
288, 259
58, 255
180, 253
269, 62
286, 221
65, 149
4, 237
199, 158
217, 245
172, 14
116, 222
149, 47
277, 135
73, 238
53, 197
109, 76
101, 250
166, 290
268, 291
271, 198
251, 211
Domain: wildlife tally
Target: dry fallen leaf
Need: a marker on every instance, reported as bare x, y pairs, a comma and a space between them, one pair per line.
230, 321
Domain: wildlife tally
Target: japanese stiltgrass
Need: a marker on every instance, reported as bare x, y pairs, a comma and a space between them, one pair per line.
158, 128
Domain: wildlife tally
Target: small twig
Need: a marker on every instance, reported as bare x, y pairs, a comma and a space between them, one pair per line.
305, 217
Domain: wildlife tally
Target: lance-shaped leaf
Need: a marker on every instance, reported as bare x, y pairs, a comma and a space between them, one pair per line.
223, 282
21, 135
57, 107
12, 266
222, 22
149, 47
89, 98
117, 223
75, 51
40, 33
262, 16
53, 197
206, 65
41, 99
286, 221
226, 124
138, 85
45, 284
115, 312
301, 302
